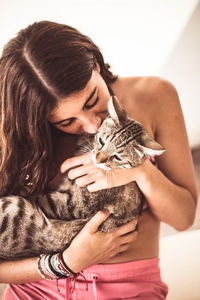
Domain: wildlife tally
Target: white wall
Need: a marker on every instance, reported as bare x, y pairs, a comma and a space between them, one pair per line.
180, 265
137, 37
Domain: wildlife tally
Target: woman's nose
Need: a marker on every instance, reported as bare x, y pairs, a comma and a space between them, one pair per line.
91, 123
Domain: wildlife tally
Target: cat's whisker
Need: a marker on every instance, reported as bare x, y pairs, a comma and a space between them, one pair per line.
89, 142
85, 148
85, 144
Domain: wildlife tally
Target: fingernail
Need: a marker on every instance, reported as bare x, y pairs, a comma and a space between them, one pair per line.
63, 168
106, 211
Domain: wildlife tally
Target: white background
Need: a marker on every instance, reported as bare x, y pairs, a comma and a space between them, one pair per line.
137, 37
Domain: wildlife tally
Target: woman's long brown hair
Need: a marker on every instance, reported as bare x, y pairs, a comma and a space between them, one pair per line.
42, 64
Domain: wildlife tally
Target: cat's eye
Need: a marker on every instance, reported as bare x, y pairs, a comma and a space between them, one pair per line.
101, 141
117, 157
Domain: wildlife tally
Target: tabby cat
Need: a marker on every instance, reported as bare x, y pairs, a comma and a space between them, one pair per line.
49, 222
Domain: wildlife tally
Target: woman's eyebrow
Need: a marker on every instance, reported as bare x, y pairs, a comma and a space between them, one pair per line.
88, 99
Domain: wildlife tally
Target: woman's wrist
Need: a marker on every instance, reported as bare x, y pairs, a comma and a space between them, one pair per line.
138, 173
53, 266
143, 174
71, 261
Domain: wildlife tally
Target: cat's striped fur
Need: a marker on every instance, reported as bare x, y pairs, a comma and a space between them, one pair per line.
48, 223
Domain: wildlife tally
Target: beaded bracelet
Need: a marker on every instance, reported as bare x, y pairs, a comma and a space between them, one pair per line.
42, 270
53, 267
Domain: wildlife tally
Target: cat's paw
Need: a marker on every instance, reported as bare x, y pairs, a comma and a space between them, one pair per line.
112, 223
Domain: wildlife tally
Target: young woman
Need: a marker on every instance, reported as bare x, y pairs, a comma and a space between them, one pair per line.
54, 86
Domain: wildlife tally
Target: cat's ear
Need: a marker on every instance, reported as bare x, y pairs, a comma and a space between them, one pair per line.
116, 111
149, 146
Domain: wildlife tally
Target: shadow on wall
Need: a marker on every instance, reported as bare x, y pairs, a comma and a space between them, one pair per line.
196, 160
182, 67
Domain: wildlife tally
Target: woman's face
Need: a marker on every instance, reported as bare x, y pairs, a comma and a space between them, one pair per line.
83, 112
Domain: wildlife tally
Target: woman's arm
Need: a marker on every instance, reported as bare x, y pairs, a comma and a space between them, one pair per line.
89, 247
171, 189
20, 271
170, 202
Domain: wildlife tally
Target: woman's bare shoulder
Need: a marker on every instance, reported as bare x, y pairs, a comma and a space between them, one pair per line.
153, 95
149, 88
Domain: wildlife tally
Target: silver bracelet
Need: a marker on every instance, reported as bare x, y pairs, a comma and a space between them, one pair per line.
43, 268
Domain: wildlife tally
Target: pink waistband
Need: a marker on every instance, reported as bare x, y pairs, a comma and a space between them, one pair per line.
121, 271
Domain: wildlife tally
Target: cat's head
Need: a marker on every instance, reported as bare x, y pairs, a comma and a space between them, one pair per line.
121, 141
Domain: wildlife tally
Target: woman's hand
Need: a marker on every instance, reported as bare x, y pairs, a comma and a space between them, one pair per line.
91, 246
82, 169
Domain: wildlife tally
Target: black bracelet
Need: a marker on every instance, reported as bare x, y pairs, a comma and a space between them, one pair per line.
65, 266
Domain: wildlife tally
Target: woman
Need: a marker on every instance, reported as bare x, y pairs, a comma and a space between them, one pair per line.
54, 80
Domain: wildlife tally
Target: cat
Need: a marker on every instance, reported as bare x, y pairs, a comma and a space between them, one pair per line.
48, 223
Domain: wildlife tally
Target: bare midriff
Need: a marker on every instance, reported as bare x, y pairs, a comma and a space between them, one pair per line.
147, 243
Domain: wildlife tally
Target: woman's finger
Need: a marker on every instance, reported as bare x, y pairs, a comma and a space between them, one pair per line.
75, 161
79, 171
122, 249
94, 175
95, 186
93, 225
84, 181
119, 250
124, 229
100, 182
129, 238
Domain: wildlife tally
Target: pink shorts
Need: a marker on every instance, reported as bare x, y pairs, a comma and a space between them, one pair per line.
132, 280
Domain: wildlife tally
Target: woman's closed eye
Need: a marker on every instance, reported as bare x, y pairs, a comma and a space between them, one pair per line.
92, 102
88, 105
68, 122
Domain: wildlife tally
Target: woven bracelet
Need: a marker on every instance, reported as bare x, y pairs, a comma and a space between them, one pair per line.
56, 266
65, 267
55, 270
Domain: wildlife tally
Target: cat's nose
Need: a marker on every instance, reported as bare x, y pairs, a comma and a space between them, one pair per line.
101, 157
